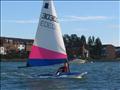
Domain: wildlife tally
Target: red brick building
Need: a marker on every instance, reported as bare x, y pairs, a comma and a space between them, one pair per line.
14, 44
109, 52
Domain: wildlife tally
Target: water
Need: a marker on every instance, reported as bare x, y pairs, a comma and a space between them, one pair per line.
101, 76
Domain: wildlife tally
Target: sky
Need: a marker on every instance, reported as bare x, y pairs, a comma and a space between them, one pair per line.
90, 18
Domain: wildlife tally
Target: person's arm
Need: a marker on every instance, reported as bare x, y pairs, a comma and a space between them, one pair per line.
58, 71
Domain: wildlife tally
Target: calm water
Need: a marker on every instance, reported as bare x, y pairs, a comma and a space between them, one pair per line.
101, 76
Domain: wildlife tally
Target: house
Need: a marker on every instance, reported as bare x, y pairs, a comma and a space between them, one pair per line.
117, 49
14, 44
108, 52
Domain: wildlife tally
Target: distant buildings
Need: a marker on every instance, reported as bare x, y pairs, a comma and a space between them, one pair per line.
117, 50
9, 45
14, 44
109, 52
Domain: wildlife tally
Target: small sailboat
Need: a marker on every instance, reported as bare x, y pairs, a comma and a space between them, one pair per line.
48, 47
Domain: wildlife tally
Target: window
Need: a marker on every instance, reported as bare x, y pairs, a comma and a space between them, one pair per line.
46, 5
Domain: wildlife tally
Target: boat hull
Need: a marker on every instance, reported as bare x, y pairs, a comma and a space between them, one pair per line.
64, 75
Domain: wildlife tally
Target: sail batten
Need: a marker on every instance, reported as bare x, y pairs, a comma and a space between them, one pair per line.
48, 47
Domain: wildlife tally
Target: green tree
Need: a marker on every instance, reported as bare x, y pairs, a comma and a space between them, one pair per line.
90, 42
98, 48
66, 39
83, 40
75, 45
93, 40
67, 42
82, 45
90, 46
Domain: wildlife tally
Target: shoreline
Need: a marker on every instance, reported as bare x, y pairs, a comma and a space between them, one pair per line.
89, 60
13, 60
104, 60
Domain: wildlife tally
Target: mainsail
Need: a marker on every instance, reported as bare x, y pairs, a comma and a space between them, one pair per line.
48, 47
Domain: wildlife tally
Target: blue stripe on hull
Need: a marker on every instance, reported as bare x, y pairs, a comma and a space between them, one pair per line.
44, 62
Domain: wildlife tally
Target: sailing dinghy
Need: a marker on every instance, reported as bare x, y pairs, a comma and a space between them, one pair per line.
48, 47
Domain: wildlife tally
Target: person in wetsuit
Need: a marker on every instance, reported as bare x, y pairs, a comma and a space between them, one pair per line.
63, 69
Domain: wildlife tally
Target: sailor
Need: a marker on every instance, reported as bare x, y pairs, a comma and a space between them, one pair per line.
63, 69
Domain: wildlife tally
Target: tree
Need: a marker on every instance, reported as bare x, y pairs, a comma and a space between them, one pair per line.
66, 39
93, 40
95, 47
75, 46
76, 40
98, 48
90, 46
82, 45
83, 40
90, 42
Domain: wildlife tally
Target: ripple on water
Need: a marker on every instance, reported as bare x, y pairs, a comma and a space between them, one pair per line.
101, 76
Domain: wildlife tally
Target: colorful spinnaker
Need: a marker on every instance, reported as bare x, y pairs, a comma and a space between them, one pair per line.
48, 47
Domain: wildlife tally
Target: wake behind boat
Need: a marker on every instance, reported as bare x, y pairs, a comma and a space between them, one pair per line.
48, 47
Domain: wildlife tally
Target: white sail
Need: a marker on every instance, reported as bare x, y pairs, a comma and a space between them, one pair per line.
48, 43
49, 33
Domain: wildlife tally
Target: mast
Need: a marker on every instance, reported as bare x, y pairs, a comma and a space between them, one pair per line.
68, 65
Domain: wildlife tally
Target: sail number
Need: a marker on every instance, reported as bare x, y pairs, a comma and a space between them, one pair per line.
49, 17
46, 24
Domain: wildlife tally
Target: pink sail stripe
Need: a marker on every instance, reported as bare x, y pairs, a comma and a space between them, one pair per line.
42, 53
